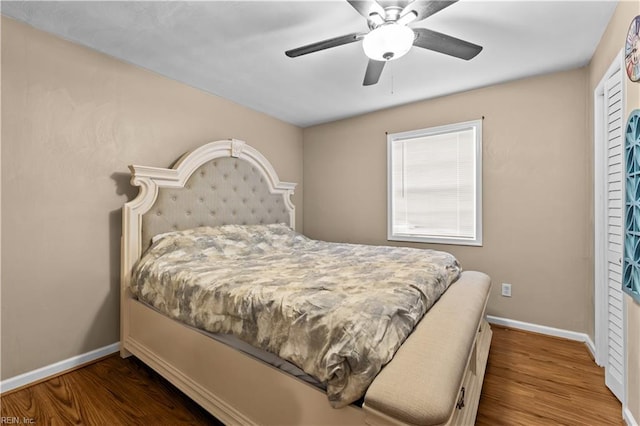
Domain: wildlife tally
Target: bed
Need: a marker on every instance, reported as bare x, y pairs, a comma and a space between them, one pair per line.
434, 378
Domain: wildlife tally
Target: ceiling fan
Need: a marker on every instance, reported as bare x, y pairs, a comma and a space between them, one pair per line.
390, 38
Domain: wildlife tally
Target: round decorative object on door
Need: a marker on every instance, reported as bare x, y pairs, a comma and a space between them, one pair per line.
632, 50
631, 275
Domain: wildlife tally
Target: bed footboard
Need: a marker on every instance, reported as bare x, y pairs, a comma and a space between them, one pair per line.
421, 385
436, 376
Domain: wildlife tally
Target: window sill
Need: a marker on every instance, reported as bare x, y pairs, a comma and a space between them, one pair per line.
435, 240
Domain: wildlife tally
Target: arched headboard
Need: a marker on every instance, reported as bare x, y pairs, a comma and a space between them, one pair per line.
223, 182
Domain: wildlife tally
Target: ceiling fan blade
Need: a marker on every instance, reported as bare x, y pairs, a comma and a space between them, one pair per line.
366, 8
424, 9
324, 44
372, 75
438, 42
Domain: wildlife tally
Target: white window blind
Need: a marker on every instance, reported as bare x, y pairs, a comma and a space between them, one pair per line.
434, 184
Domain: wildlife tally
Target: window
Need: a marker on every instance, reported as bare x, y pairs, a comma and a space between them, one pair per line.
435, 184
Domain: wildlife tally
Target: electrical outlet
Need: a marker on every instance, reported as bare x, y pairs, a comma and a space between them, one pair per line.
506, 289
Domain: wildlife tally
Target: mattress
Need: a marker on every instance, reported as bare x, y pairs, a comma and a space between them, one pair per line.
337, 311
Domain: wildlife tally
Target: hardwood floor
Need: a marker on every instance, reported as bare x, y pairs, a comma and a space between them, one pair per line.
111, 392
531, 380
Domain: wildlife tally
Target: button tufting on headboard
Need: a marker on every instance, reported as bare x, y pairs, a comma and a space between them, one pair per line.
221, 191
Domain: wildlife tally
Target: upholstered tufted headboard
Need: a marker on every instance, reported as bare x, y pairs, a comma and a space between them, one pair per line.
220, 192
223, 182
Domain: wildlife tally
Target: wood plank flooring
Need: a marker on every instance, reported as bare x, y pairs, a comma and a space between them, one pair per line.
531, 380
111, 392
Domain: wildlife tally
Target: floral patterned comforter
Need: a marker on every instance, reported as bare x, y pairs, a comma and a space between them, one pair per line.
337, 311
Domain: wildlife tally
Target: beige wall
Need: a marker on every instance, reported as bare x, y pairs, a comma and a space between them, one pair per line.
73, 119
610, 45
536, 211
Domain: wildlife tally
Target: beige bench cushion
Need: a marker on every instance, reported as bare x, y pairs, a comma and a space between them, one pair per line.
422, 383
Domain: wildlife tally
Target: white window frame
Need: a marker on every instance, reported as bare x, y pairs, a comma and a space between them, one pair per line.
432, 131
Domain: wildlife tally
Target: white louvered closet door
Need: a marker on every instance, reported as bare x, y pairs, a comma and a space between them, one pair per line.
613, 120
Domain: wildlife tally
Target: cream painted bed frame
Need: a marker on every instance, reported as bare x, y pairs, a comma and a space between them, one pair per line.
237, 388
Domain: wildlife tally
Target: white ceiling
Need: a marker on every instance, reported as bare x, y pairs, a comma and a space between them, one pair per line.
235, 49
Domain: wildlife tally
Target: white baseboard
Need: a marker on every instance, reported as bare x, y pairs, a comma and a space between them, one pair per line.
628, 417
56, 368
543, 329
592, 348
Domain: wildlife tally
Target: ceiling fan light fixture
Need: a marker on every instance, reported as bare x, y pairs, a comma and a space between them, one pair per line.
388, 42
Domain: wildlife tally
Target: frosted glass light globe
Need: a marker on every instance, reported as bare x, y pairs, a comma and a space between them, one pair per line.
388, 42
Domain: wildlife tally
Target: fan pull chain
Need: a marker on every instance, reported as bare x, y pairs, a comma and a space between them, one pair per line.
391, 66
